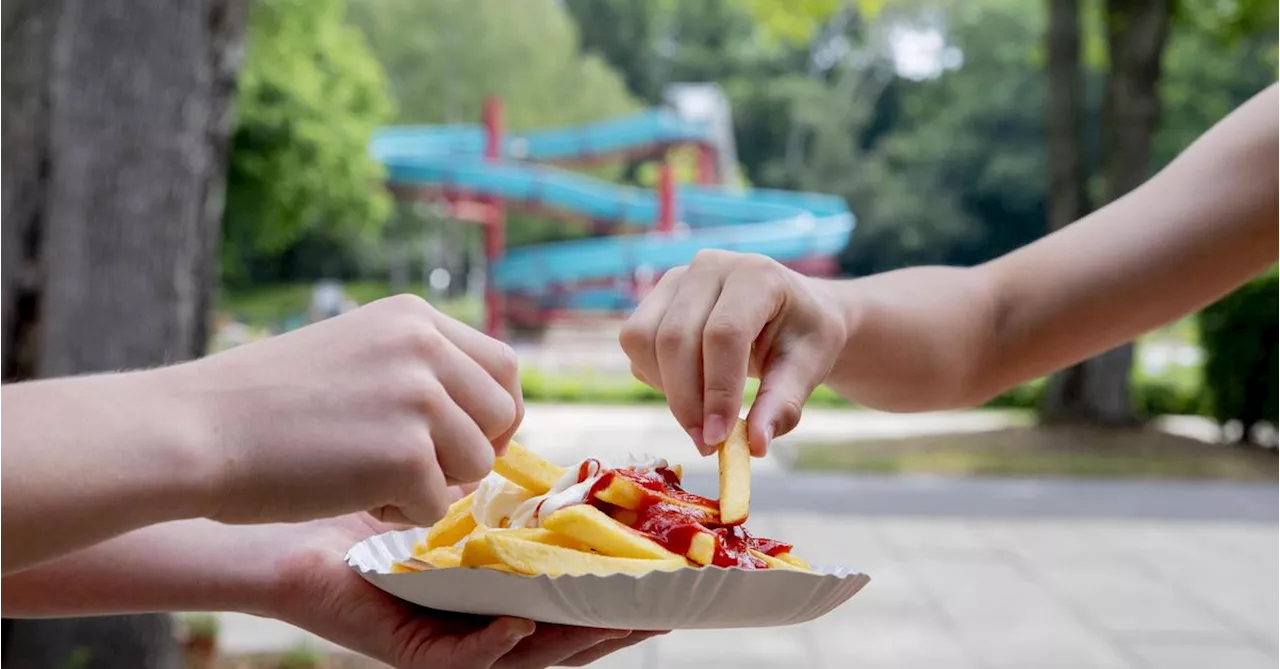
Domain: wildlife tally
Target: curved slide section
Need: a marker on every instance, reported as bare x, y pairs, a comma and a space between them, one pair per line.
786, 226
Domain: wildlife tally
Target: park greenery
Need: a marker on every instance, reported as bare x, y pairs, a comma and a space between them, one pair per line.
928, 117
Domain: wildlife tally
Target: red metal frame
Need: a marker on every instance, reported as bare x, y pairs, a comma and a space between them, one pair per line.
495, 220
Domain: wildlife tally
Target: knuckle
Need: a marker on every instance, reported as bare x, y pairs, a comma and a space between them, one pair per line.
710, 257
503, 414
636, 339
507, 364
475, 465
763, 271
789, 415
411, 463
724, 332
407, 303
669, 337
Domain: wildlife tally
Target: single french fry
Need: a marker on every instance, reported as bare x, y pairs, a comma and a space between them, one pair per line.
442, 558
456, 524
476, 551
593, 527
776, 562
527, 469
702, 549
409, 566
529, 557
794, 560
627, 494
734, 456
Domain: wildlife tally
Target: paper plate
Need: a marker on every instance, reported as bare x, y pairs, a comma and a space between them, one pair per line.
707, 598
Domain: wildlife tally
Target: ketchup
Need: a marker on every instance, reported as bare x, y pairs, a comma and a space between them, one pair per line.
675, 525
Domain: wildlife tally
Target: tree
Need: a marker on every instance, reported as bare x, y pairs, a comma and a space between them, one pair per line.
1097, 390
311, 97
116, 118
444, 57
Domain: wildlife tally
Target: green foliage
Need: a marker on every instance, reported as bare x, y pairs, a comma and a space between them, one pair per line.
271, 305
301, 656
1155, 396
797, 20
310, 97
77, 658
443, 57
1239, 334
201, 625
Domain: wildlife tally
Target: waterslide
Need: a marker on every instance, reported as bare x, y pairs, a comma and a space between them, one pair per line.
594, 273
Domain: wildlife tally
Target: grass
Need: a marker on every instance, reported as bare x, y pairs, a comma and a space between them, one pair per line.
271, 305
291, 660
1045, 452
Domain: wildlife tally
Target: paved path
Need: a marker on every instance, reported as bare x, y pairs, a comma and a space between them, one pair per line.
569, 433
981, 573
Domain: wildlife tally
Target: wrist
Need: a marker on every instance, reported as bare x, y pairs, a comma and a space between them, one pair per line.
187, 447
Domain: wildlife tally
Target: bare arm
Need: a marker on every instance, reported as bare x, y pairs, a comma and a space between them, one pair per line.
948, 337
89, 458
193, 565
938, 337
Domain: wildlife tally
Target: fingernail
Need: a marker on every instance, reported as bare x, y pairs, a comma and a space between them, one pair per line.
714, 430
521, 628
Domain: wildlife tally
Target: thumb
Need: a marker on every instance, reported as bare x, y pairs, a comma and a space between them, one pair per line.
784, 389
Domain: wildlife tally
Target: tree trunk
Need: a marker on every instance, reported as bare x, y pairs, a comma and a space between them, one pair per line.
116, 119
1097, 390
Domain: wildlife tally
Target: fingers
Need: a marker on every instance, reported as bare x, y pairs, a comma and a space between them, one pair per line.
641, 329
551, 645
608, 648
487, 647
748, 301
424, 495
501, 364
489, 405
678, 345
462, 449
788, 381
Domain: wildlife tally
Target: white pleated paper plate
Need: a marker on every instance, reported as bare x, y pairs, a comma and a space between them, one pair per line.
708, 598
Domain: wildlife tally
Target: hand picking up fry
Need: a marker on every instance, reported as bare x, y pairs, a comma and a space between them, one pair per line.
533, 517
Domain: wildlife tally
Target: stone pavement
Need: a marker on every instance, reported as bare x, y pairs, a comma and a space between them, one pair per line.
965, 573
569, 433
994, 593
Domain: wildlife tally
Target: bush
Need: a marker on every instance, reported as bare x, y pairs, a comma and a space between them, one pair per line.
1239, 333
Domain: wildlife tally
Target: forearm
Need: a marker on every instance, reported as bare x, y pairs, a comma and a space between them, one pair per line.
938, 338
918, 338
1200, 228
194, 565
89, 458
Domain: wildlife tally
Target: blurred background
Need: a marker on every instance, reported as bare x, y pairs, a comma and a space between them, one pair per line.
180, 178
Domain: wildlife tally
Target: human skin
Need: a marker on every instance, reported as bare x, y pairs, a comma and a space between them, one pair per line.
296, 573
931, 338
379, 409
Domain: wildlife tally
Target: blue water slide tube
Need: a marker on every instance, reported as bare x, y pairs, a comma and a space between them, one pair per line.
784, 225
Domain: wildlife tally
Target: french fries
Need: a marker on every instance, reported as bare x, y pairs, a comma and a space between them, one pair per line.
734, 455
526, 469
595, 520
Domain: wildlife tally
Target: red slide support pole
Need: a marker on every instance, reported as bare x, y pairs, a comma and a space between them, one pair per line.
666, 199
495, 220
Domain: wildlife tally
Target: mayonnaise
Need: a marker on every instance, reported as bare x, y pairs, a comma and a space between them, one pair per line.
498, 498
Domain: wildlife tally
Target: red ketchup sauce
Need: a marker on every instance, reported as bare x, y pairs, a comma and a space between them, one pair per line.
674, 526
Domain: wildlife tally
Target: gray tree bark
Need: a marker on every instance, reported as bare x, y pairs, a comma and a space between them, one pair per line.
116, 120
1097, 391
